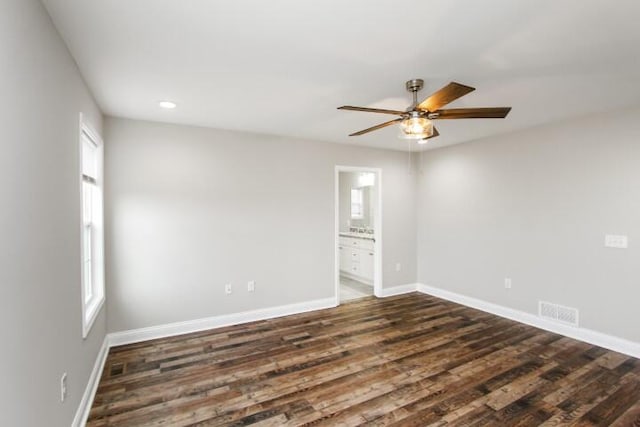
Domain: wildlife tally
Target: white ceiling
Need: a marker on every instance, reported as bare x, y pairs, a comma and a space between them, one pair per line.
283, 66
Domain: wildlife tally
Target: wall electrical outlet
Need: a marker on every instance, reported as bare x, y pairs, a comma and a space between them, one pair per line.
614, 241
507, 282
227, 289
398, 266
63, 387
251, 286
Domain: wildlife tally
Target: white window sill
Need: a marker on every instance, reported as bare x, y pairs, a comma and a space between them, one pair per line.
91, 311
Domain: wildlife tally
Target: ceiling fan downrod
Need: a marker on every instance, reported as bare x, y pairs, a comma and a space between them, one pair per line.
413, 86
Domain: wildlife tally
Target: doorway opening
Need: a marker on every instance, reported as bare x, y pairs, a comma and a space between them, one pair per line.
358, 233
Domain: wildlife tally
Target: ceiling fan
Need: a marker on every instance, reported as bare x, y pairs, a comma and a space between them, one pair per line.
416, 121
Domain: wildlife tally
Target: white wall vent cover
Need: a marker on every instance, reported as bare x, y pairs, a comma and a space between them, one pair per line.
558, 313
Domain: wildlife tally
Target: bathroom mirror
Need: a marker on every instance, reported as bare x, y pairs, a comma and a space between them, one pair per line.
357, 201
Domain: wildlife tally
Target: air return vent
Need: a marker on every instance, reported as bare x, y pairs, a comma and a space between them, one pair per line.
558, 313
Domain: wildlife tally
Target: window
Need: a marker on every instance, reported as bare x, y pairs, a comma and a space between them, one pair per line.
357, 208
91, 151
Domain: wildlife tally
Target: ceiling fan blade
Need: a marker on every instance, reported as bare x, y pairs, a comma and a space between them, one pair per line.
371, 110
447, 94
433, 135
473, 113
376, 127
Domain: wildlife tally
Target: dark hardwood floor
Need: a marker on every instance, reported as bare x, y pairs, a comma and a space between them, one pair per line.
410, 360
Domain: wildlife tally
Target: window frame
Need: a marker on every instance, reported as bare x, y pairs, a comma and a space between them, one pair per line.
359, 203
91, 304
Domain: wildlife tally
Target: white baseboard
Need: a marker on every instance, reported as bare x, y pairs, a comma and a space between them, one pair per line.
82, 413
398, 290
610, 342
172, 329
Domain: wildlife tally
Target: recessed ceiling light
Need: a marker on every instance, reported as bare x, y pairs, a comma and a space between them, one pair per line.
167, 104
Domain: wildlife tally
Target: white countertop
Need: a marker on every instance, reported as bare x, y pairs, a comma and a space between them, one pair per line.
357, 235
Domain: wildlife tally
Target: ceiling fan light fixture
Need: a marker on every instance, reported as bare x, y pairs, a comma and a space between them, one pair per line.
416, 127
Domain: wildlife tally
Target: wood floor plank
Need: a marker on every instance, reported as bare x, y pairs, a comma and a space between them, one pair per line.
407, 360
630, 418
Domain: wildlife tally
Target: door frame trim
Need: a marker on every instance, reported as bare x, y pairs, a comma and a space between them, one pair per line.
377, 231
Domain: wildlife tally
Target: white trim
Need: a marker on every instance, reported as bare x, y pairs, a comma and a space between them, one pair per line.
86, 402
197, 325
621, 345
377, 229
336, 235
377, 234
90, 131
398, 290
91, 309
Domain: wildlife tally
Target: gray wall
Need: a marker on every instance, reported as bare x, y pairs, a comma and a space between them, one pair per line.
190, 209
40, 306
535, 206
